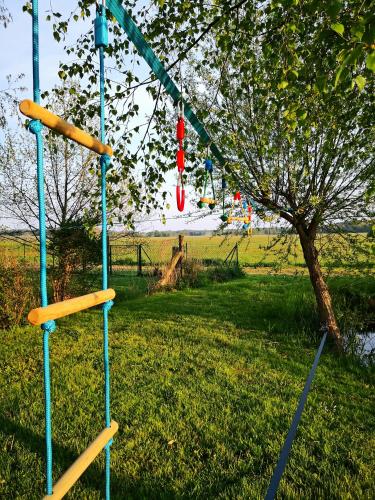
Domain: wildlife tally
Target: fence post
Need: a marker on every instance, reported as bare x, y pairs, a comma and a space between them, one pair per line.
139, 259
237, 260
24, 251
110, 260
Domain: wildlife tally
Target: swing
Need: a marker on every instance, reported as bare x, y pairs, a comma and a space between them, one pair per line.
208, 174
180, 188
240, 207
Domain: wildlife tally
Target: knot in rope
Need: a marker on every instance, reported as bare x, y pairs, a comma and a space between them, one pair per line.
49, 326
107, 306
35, 127
105, 161
208, 165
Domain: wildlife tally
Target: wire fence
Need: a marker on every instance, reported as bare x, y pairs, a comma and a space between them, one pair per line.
148, 256
26, 253
153, 257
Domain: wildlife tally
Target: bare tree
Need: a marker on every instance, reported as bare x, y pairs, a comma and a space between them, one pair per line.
72, 174
72, 190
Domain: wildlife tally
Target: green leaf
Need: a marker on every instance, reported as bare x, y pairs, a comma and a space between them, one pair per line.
360, 81
350, 59
357, 31
370, 61
333, 8
321, 84
283, 84
338, 28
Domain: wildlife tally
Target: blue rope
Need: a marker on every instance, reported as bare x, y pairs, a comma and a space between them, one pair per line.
36, 81
36, 127
283, 459
102, 91
101, 42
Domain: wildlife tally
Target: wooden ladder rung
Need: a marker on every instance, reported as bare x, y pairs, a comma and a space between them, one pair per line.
75, 471
60, 309
238, 219
54, 122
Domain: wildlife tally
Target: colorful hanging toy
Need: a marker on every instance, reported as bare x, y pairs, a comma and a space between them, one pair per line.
208, 174
180, 189
246, 210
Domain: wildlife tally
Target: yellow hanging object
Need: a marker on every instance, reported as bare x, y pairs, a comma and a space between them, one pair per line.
246, 212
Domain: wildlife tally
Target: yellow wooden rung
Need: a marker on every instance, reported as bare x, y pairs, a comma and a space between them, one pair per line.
238, 219
66, 307
210, 201
36, 112
76, 470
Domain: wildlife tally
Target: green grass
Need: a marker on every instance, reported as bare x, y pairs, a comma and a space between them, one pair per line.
216, 372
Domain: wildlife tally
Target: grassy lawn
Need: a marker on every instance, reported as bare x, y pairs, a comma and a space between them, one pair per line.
204, 386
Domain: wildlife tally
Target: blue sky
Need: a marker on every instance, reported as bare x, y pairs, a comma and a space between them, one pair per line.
16, 58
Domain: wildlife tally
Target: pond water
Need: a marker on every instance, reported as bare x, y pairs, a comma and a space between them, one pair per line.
366, 347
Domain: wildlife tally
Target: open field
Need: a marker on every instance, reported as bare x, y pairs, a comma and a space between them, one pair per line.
204, 385
206, 249
212, 249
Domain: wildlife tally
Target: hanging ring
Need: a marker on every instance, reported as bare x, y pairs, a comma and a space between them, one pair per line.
180, 193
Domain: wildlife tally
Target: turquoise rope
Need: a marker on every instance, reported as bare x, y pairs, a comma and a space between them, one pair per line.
36, 128
36, 80
135, 35
104, 164
102, 91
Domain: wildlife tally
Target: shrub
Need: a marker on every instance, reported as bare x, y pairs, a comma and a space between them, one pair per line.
76, 252
17, 292
220, 274
194, 275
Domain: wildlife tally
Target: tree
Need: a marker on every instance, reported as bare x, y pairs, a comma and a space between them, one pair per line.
286, 90
9, 94
70, 180
76, 250
5, 15
298, 147
72, 174
72, 192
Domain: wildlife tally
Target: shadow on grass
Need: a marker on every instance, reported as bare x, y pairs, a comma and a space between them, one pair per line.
93, 478
277, 305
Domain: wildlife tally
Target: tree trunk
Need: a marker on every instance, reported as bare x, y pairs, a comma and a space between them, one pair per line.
323, 297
